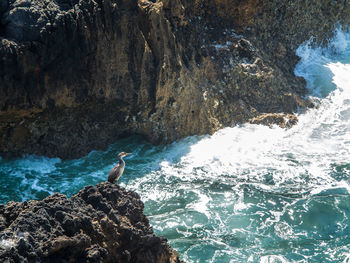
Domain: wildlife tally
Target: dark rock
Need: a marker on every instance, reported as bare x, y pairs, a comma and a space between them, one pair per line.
77, 75
58, 229
3, 6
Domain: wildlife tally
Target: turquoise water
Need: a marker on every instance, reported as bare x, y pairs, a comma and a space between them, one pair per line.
245, 194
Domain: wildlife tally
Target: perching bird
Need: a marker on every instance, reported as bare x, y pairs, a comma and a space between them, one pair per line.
118, 169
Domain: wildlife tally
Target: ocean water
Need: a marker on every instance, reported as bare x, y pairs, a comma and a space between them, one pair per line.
245, 194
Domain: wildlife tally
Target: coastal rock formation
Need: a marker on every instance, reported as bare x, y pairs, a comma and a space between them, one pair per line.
75, 75
99, 224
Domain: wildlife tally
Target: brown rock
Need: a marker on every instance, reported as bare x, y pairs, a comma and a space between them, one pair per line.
99, 224
282, 120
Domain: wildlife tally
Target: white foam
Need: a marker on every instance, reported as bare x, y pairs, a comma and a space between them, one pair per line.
201, 205
273, 259
314, 61
347, 258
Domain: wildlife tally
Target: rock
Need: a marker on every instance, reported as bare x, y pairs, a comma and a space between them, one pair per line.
3, 6
78, 75
81, 229
282, 120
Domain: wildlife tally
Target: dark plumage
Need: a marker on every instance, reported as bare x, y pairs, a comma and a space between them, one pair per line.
118, 169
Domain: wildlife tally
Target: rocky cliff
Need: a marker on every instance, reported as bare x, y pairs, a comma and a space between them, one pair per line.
99, 224
75, 75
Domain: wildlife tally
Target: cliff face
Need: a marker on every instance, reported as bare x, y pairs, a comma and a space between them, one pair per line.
76, 75
99, 224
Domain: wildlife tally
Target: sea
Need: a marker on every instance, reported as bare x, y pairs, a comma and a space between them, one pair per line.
248, 193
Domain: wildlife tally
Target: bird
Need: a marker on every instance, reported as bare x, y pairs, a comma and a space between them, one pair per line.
118, 169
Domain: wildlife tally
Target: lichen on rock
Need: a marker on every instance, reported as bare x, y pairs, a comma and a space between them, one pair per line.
99, 224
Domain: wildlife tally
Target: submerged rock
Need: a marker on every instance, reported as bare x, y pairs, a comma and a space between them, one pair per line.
99, 224
77, 75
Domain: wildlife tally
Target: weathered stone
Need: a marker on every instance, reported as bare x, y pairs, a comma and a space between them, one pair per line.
77, 75
282, 120
58, 229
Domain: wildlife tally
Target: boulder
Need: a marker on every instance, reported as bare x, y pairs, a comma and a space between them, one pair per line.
102, 223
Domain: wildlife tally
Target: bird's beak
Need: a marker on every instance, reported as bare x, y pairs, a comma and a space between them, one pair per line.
127, 154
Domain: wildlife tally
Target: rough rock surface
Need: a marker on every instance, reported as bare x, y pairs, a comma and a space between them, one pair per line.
99, 224
75, 75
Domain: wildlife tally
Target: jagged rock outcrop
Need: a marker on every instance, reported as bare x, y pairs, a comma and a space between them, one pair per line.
99, 224
75, 75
